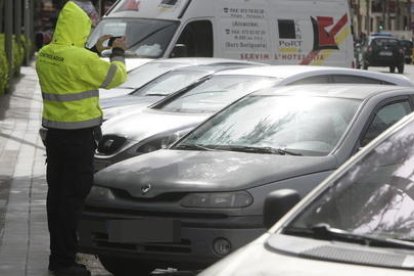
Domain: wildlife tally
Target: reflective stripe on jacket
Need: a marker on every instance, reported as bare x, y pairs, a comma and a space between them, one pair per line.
70, 75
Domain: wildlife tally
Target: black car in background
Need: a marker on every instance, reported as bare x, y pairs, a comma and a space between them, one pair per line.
384, 51
408, 50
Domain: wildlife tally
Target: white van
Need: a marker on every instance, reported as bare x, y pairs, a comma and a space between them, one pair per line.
315, 32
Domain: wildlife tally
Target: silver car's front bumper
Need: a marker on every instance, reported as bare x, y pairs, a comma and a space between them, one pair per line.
183, 242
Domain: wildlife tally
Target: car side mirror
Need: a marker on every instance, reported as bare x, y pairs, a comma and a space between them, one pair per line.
277, 204
180, 50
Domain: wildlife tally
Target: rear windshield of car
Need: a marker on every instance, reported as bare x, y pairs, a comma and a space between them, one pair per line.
381, 42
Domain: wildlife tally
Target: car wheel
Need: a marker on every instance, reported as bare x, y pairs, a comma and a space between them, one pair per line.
392, 69
401, 68
125, 267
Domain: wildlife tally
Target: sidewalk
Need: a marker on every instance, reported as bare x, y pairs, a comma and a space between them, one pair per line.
23, 228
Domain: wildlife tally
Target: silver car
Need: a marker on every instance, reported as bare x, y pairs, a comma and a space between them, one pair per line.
358, 222
151, 69
196, 202
166, 84
135, 133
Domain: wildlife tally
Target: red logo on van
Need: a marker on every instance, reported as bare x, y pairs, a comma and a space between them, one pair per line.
324, 39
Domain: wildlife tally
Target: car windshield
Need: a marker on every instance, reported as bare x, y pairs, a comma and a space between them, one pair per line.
384, 42
147, 72
147, 38
374, 198
170, 82
277, 124
215, 93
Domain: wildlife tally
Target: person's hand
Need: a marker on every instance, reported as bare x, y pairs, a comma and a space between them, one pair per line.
100, 43
120, 43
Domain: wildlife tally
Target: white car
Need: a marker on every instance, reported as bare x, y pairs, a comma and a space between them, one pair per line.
359, 221
151, 69
196, 202
135, 133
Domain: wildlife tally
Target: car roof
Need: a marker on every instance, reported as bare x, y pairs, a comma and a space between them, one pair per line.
350, 91
296, 72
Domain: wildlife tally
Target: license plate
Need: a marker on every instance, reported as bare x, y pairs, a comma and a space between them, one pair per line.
385, 53
143, 230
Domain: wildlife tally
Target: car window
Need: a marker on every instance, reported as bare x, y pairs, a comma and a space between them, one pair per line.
196, 40
170, 82
357, 79
309, 126
214, 93
374, 197
384, 118
382, 42
312, 80
146, 37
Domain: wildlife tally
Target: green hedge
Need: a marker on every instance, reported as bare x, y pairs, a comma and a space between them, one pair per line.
4, 68
19, 48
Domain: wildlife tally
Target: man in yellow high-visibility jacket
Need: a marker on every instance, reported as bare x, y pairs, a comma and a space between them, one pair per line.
70, 76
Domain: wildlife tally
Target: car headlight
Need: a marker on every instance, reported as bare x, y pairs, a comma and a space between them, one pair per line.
98, 193
109, 144
160, 142
238, 199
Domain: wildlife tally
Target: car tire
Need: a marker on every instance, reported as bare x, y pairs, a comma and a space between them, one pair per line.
401, 68
125, 267
392, 69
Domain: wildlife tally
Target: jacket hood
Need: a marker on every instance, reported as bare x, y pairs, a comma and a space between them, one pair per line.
73, 26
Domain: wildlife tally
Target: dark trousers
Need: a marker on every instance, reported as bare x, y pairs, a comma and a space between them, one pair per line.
69, 177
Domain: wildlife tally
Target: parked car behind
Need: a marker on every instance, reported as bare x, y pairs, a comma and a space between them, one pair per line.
408, 50
152, 69
384, 51
135, 133
194, 203
166, 84
357, 222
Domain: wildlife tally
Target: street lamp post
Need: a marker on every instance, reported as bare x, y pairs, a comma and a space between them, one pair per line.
17, 25
368, 16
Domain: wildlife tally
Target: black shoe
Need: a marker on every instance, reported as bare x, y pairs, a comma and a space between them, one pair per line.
74, 270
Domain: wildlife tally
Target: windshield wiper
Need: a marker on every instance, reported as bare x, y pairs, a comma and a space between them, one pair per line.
271, 150
193, 147
324, 231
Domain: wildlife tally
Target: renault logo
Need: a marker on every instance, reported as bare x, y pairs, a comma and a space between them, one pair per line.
145, 188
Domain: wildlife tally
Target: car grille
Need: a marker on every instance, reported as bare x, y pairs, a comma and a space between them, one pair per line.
125, 213
109, 144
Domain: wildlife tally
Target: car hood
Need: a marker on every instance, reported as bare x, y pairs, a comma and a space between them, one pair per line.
191, 170
313, 258
144, 124
128, 100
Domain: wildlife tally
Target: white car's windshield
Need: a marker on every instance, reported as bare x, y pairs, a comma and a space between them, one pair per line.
374, 198
170, 82
278, 124
147, 72
147, 38
215, 93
